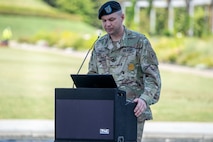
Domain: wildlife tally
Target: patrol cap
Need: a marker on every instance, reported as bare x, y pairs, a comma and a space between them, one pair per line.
109, 8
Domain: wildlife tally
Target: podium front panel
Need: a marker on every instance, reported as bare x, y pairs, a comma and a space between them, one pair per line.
84, 114
93, 114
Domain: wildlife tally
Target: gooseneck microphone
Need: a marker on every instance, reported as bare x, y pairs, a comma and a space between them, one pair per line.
88, 53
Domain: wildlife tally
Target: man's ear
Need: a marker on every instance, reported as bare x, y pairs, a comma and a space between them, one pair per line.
122, 16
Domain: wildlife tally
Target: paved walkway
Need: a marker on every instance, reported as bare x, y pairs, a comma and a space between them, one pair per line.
45, 129
186, 69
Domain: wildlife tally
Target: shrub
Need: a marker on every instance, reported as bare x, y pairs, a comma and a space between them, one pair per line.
168, 49
185, 51
63, 39
85, 42
197, 52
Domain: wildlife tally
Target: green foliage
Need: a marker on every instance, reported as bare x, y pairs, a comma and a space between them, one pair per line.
197, 53
64, 39
181, 23
74, 6
88, 9
168, 49
185, 51
201, 23
85, 42
148, 11
161, 24
144, 26
51, 2
130, 14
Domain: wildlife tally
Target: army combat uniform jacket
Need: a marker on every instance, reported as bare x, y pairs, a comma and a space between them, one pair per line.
133, 64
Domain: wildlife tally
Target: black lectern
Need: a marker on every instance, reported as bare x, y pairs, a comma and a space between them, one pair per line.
94, 115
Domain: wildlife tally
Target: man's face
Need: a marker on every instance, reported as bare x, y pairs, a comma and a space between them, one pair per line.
112, 23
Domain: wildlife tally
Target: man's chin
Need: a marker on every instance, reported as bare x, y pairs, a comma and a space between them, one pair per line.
110, 32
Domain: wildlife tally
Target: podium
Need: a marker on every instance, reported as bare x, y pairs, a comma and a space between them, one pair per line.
94, 115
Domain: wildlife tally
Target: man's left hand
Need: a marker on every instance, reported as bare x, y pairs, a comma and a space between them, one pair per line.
140, 107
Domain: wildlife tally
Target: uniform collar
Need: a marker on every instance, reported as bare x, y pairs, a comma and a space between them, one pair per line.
123, 41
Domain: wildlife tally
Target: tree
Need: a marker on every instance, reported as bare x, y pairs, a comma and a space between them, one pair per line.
51, 2
130, 13
87, 9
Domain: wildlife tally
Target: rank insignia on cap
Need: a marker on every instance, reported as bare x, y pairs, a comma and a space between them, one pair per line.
108, 9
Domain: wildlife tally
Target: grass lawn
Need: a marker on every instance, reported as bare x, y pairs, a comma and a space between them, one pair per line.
184, 97
27, 18
30, 25
34, 4
28, 80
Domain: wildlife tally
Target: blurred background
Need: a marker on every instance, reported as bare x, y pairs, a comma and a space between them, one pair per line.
44, 41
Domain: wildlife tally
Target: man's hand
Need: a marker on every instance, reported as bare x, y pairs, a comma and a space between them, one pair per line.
140, 107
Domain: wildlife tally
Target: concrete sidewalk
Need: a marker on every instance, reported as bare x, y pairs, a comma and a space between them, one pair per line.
45, 129
200, 132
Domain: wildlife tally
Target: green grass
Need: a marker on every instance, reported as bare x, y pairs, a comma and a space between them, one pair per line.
184, 97
32, 8
28, 18
35, 4
28, 26
28, 80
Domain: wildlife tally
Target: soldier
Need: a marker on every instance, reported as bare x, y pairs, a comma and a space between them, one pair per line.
129, 57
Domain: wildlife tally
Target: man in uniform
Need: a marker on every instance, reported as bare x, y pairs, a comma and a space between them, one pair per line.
129, 57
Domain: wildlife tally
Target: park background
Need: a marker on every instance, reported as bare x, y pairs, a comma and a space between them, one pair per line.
50, 38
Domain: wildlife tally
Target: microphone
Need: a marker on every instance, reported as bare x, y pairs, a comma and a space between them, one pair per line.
88, 53
99, 35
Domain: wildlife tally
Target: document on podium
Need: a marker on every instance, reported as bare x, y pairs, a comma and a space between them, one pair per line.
93, 81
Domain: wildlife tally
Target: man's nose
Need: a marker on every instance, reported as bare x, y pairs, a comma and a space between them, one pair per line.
108, 23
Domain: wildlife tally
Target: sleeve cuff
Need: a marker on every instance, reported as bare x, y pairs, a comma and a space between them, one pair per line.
147, 99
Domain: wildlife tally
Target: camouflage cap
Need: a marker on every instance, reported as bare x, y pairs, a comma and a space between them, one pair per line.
109, 8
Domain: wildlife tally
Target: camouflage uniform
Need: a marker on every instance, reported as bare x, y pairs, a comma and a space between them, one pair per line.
134, 66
